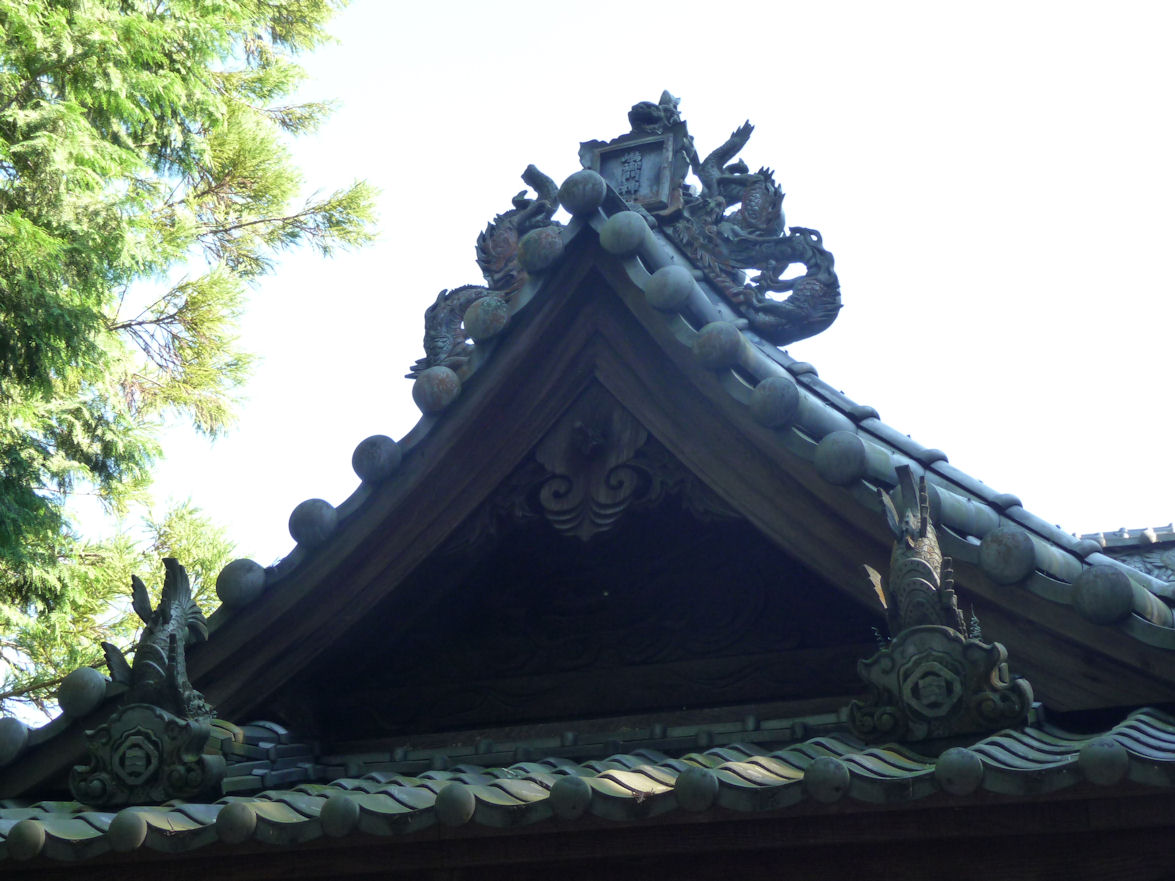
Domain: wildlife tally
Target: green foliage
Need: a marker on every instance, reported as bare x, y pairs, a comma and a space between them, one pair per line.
38, 651
145, 182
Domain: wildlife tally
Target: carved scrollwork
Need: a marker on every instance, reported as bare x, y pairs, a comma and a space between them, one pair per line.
587, 455
595, 464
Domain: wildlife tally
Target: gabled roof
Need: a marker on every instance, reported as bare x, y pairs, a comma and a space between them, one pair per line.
611, 310
799, 459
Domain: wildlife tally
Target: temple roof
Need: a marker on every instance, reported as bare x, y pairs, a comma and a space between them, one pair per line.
619, 321
846, 443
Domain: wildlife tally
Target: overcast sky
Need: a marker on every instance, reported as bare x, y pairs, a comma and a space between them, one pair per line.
994, 179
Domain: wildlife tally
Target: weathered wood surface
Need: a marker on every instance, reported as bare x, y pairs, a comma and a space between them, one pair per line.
593, 327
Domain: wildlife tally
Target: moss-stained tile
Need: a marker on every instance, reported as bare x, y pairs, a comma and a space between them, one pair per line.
525, 791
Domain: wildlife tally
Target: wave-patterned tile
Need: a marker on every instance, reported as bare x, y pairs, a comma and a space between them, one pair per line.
624, 788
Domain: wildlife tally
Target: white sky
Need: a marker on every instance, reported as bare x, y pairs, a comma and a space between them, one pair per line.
994, 179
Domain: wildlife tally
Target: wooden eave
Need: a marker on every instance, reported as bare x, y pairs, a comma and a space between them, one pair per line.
591, 326
591, 323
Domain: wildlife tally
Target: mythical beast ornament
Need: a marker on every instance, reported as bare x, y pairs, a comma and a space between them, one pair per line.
733, 224
936, 678
446, 339
736, 223
152, 748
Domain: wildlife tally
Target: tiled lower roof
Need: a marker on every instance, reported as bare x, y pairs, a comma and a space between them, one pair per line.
626, 787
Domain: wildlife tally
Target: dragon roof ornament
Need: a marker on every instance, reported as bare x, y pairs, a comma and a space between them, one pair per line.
733, 224
152, 748
736, 223
936, 677
446, 333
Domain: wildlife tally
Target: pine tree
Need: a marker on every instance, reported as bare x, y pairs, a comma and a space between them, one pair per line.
145, 182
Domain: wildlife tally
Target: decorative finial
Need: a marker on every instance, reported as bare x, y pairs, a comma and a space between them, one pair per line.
936, 678
151, 749
921, 579
735, 224
446, 341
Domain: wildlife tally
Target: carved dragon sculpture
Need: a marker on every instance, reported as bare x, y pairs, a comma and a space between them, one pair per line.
445, 341
648, 118
159, 675
152, 748
736, 223
725, 242
921, 588
936, 678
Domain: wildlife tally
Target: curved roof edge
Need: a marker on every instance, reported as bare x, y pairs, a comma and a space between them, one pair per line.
1136, 754
846, 442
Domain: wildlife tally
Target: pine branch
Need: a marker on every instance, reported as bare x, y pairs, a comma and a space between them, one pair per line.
257, 221
24, 691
